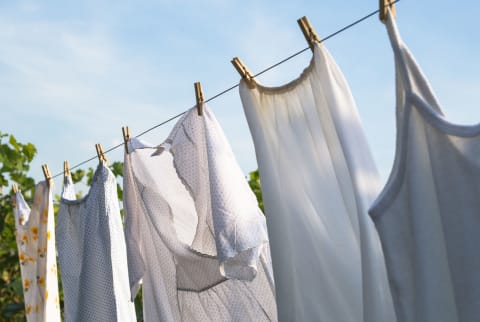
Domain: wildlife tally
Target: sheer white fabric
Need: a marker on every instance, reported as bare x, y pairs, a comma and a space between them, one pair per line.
35, 234
428, 214
186, 201
92, 253
227, 210
318, 180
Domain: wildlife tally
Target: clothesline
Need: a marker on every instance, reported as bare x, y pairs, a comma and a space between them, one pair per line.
222, 92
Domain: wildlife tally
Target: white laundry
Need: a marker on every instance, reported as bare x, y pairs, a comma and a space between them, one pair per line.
92, 253
428, 213
196, 238
318, 180
68, 191
35, 234
226, 207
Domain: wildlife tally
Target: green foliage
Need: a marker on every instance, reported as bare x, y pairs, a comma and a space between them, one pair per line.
15, 161
254, 182
78, 175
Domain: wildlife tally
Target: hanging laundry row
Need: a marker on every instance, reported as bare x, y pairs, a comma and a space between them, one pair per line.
195, 238
333, 245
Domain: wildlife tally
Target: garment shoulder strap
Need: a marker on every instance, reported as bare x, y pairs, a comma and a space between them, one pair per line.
413, 81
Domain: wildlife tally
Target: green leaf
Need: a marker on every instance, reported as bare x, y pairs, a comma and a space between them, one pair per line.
117, 168
90, 173
13, 142
78, 175
13, 308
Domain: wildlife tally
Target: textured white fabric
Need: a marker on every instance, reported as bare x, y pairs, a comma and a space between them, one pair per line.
226, 207
68, 191
92, 253
318, 180
163, 188
428, 213
35, 236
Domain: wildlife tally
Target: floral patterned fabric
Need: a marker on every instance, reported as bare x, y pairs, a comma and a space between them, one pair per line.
35, 235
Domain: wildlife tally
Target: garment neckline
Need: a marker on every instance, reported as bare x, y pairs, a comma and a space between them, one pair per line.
291, 84
69, 202
34, 205
429, 115
439, 121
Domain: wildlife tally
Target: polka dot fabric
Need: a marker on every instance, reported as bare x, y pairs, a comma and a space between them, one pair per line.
183, 281
206, 165
92, 254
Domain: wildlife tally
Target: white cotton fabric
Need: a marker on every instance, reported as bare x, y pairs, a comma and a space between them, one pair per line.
35, 234
92, 253
318, 180
428, 213
68, 191
226, 207
194, 178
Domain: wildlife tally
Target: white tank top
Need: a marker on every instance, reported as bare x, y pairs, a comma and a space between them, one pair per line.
318, 179
428, 215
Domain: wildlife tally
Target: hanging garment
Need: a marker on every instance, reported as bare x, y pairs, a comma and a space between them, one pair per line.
230, 223
92, 253
428, 213
35, 236
68, 191
318, 180
196, 238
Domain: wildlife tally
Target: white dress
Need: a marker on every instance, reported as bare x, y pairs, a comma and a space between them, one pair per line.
92, 253
318, 180
428, 214
35, 234
196, 238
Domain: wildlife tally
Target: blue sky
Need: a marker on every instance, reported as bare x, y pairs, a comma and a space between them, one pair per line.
72, 73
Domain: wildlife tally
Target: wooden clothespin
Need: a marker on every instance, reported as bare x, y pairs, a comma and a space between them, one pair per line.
384, 4
100, 154
14, 188
126, 137
66, 169
47, 174
199, 98
243, 70
308, 31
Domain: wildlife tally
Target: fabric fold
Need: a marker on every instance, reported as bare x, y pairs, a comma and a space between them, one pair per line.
180, 215
224, 201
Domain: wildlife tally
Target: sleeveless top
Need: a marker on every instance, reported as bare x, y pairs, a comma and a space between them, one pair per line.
428, 213
318, 179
